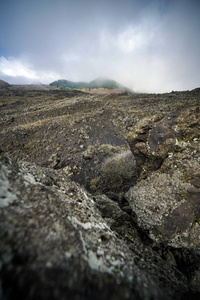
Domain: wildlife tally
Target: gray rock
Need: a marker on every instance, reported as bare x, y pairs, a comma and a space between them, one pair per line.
166, 201
3, 84
55, 243
58, 243
166, 207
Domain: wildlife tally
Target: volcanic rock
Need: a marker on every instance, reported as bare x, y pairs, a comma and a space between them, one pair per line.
166, 197
66, 234
3, 84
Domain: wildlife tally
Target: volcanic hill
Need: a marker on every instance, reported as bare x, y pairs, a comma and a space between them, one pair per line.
100, 85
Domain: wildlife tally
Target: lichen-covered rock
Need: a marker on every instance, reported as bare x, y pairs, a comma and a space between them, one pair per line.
155, 138
166, 199
58, 243
55, 243
168, 208
139, 136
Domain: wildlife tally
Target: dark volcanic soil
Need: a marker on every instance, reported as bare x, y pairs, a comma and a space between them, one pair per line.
75, 130
60, 242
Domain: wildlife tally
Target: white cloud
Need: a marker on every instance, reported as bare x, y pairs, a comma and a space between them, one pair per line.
70, 57
152, 47
14, 68
133, 38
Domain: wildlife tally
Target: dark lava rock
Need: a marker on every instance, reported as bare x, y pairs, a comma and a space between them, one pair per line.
166, 197
3, 84
58, 243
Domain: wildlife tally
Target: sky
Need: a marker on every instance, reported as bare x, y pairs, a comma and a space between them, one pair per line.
146, 45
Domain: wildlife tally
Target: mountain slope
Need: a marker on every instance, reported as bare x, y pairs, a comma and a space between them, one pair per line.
69, 84
3, 84
105, 83
99, 83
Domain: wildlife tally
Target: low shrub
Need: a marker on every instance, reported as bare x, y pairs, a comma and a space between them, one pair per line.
119, 168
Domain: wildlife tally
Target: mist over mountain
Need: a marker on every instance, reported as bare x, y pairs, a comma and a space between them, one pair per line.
94, 85
102, 82
66, 84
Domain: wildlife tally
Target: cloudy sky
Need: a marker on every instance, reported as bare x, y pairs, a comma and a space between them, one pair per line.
147, 45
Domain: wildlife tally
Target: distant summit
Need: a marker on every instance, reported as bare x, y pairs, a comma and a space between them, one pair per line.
102, 82
69, 85
3, 84
100, 85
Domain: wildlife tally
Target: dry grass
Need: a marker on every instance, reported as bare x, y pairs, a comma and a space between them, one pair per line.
118, 168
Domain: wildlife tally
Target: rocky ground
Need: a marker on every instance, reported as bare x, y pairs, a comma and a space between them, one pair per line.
69, 233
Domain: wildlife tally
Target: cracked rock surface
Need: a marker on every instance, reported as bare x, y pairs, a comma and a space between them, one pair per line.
57, 242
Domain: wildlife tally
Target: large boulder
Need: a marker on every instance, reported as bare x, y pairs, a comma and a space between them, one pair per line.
166, 198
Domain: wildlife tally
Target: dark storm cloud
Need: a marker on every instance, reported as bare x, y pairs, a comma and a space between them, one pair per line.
147, 45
